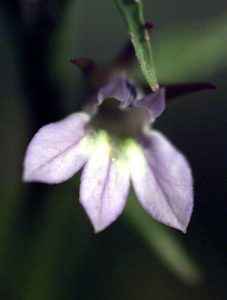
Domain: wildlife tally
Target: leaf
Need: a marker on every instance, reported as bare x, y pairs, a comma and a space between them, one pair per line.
162, 241
132, 13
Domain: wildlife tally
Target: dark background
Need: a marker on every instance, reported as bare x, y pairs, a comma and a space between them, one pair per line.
47, 246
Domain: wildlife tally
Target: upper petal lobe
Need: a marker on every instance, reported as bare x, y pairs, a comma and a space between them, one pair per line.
154, 103
118, 88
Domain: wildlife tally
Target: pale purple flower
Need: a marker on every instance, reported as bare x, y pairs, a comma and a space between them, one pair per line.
114, 155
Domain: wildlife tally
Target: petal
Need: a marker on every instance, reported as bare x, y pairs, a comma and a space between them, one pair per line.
162, 181
154, 103
104, 185
58, 150
119, 88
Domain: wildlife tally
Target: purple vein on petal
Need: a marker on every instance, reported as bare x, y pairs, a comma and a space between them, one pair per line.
58, 150
155, 172
108, 170
57, 155
167, 199
172, 174
104, 185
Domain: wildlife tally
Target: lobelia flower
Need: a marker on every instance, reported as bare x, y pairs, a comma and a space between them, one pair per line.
115, 143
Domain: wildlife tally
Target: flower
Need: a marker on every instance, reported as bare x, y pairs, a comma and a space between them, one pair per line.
114, 155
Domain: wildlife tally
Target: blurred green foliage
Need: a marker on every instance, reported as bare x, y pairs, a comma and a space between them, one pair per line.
47, 246
195, 50
163, 243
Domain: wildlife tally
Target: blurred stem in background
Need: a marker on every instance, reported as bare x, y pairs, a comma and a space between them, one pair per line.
163, 243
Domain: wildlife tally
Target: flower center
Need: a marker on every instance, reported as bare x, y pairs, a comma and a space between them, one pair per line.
120, 122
